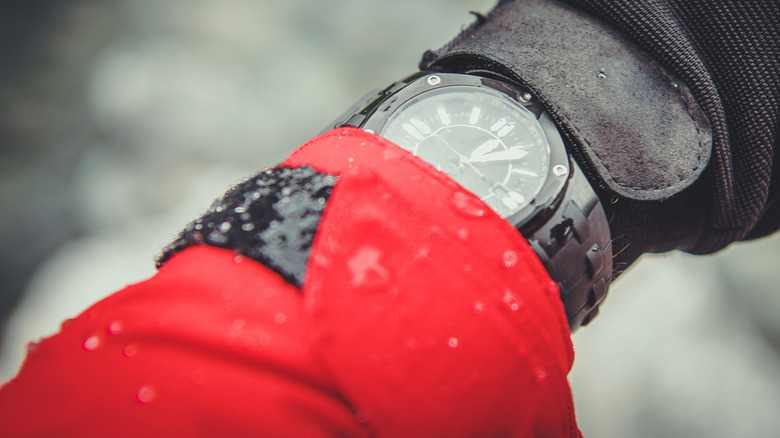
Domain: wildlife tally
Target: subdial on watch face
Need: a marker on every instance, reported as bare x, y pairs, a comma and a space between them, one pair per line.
488, 143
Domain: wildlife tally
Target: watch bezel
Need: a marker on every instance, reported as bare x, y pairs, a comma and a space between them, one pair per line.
377, 114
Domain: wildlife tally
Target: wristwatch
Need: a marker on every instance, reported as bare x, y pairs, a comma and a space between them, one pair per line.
498, 142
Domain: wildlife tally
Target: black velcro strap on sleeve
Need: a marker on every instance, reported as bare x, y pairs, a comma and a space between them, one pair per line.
270, 218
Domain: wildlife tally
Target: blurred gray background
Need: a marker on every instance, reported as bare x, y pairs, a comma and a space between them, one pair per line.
121, 120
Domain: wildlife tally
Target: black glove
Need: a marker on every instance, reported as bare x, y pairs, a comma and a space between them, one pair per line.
671, 108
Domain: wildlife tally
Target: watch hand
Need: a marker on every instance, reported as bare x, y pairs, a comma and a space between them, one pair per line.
514, 153
484, 148
461, 158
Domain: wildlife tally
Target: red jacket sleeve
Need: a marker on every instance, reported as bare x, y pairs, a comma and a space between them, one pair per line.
422, 313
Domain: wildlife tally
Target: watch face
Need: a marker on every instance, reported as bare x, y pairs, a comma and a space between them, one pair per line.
490, 144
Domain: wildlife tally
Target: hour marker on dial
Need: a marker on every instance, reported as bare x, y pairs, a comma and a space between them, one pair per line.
505, 130
496, 126
513, 200
411, 130
421, 126
474, 116
510, 203
443, 116
517, 197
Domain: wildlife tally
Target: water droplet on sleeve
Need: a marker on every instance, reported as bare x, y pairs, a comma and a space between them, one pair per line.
92, 343
453, 342
512, 302
115, 327
280, 318
130, 350
422, 253
217, 238
468, 205
510, 258
146, 394
540, 374
321, 260
366, 269
264, 339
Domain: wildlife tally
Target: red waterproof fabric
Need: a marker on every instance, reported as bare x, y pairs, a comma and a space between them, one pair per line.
422, 314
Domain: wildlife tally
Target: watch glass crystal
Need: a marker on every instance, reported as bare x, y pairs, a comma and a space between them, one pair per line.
487, 142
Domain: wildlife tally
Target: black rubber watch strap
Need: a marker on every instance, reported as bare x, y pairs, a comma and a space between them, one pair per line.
574, 246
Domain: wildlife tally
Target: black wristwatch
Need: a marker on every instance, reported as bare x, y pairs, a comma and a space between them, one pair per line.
495, 140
